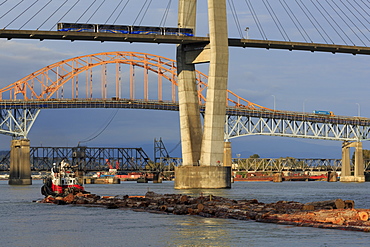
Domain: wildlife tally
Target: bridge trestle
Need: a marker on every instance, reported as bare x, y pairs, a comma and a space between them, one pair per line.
17, 122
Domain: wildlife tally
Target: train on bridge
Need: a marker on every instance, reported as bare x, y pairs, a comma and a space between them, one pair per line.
124, 29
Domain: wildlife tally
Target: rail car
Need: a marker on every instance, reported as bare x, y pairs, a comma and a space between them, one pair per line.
144, 30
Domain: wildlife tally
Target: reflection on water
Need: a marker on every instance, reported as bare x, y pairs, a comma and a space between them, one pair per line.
25, 223
208, 231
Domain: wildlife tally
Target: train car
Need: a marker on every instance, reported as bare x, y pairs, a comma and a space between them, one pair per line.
178, 31
170, 31
329, 113
146, 30
186, 32
112, 29
76, 27
123, 29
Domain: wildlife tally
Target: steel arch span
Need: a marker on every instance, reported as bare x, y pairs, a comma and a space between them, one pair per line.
75, 78
150, 82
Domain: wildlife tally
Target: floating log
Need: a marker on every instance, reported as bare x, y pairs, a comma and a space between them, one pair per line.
331, 204
341, 214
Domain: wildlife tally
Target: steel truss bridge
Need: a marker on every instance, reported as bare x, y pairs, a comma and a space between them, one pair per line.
87, 82
87, 158
99, 158
291, 164
135, 159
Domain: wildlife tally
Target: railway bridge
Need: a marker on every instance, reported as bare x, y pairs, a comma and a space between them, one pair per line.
203, 144
72, 83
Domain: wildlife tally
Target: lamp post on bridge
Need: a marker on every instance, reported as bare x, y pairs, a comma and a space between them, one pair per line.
358, 109
274, 101
246, 30
304, 105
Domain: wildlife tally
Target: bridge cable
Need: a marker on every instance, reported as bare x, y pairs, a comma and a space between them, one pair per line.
142, 18
318, 23
3, 2
364, 4
95, 11
360, 12
121, 12
272, 17
116, 8
235, 16
11, 9
357, 17
173, 149
310, 19
52, 14
36, 13
100, 132
352, 23
69, 10
290, 14
86, 10
21, 13
276, 20
165, 15
342, 20
256, 20
324, 16
139, 12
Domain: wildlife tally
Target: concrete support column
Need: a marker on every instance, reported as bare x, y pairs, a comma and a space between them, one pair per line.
20, 167
346, 175
209, 174
190, 123
346, 164
227, 154
214, 120
359, 163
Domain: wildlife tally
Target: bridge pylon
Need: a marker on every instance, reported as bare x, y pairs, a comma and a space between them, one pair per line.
358, 175
203, 151
20, 166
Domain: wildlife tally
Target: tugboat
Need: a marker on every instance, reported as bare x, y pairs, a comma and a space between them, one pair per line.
61, 181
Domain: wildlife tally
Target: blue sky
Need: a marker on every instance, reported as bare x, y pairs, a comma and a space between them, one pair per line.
297, 80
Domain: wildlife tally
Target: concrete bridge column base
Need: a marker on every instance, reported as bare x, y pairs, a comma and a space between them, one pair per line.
20, 166
203, 177
359, 179
359, 175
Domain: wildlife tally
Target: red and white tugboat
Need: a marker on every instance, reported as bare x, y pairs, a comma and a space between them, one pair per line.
62, 179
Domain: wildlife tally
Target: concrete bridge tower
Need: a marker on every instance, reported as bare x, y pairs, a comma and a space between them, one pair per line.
203, 149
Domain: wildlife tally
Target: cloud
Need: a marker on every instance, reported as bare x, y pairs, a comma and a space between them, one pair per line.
19, 59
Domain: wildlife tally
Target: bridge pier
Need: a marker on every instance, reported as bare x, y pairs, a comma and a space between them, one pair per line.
207, 149
20, 166
358, 175
190, 123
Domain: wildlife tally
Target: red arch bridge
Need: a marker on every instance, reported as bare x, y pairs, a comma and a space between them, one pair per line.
150, 82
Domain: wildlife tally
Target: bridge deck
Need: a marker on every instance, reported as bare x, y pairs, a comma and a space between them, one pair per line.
172, 39
174, 106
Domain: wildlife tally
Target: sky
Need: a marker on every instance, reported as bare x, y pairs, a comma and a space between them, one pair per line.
294, 80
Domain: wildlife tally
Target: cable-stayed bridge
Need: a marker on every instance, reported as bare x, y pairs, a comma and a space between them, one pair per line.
311, 26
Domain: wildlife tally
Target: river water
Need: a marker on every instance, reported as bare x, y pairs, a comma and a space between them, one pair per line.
26, 223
